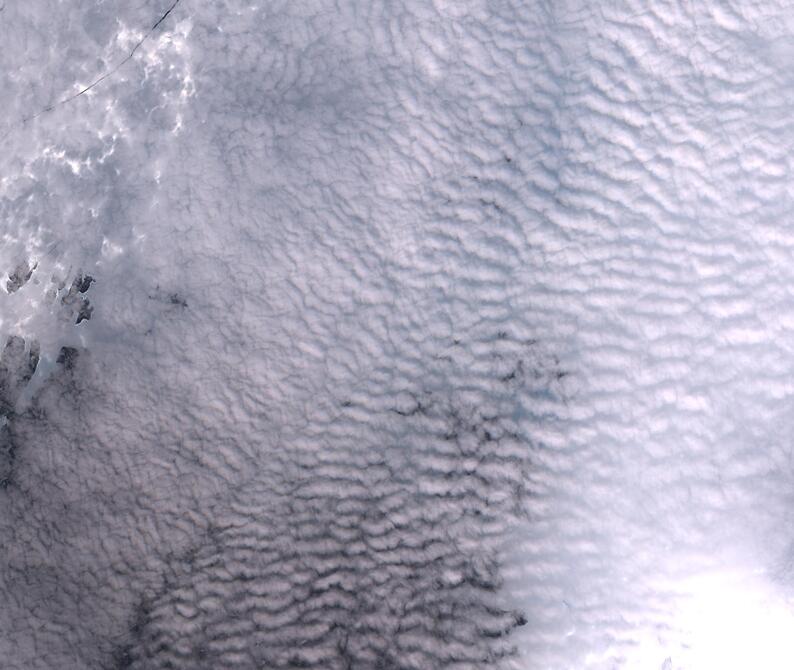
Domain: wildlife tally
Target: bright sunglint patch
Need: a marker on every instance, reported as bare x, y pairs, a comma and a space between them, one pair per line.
731, 620
736, 621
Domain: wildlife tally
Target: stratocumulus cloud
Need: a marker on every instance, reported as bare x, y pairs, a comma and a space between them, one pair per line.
395, 335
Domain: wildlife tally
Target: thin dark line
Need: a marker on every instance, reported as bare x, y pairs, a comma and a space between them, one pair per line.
164, 16
107, 74
125, 61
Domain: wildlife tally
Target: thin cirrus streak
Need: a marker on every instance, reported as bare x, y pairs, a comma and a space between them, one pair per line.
396, 335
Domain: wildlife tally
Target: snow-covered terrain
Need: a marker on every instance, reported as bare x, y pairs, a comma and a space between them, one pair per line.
419, 334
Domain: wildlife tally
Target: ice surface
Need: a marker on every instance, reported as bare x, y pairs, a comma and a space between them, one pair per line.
414, 334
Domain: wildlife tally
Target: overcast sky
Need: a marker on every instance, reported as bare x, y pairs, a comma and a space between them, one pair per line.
375, 334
